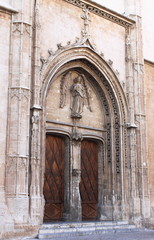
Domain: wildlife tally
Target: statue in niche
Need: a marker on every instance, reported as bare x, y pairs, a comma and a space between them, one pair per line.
78, 95
79, 92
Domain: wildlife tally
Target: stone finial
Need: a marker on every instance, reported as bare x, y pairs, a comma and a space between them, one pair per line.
85, 17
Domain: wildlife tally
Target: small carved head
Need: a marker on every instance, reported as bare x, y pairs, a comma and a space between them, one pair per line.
78, 79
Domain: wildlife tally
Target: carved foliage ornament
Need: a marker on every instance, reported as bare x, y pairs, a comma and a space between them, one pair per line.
79, 42
79, 93
85, 17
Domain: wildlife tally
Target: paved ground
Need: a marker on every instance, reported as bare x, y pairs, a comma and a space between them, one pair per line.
141, 235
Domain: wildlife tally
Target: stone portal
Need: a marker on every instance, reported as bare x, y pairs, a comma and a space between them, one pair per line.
82, 108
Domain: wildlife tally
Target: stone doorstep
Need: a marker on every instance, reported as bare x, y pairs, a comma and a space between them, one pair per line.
82, 224
85, 233
85, 228
52, 231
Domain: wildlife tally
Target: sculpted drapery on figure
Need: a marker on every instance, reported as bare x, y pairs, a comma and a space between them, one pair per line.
78, 95
78, 91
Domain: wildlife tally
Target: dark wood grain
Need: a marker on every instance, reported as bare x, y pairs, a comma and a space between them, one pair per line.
89, 179
54, 178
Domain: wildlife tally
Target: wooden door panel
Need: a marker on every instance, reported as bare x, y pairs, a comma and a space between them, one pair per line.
89, 179
89, 211
53, 212
54, 178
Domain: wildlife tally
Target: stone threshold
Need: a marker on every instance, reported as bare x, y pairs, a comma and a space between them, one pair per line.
72, 229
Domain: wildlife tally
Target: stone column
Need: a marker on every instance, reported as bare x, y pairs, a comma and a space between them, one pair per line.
105, 206
17, 169
137, 122
37, 131
6, 220
76, 211
131, 183
36, 210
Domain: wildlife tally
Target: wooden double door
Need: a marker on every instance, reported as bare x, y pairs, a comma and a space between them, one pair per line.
55, 181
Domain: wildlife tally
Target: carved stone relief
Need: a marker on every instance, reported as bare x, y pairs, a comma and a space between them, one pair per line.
72, 81
22, 163
101, 13
84, 40
79, 93
17, 28
79, 42
85, 17
11, 168
19, 92
116, 116
21, 27
35, 154
11, 164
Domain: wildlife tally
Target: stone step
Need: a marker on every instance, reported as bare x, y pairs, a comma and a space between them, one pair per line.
85, 228
82, 224
59, 230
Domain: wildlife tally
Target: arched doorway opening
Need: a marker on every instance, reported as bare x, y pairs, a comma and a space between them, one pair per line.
97, 113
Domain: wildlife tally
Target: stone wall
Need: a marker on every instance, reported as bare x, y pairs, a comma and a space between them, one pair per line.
5, 22
42, 42
149, 90
67, 26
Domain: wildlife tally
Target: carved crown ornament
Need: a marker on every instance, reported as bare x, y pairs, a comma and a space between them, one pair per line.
83, 41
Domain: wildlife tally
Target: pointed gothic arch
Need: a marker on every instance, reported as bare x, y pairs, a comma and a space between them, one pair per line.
103, 80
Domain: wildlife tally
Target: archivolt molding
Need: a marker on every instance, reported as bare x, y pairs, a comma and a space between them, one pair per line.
88, 57
82, 51
79, 43
58, 131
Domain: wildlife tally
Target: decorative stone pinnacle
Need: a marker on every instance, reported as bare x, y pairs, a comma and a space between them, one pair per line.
85, 17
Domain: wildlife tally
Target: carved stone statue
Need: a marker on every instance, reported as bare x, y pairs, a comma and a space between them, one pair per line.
78, 95
78, 92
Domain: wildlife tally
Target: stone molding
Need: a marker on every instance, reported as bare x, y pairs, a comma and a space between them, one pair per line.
19, 29
7, 7
146, 61
78, 43
19, 92
109, 86
103, 12
79, 51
